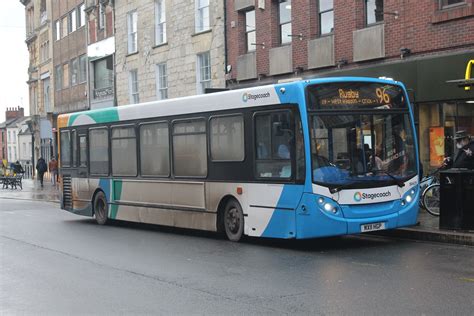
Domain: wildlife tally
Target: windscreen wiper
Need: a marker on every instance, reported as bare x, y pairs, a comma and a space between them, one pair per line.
399, 182
342, 186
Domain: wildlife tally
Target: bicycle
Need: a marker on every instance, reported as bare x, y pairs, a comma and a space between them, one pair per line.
429, 186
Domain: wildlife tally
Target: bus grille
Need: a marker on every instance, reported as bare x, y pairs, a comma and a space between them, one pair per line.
67, 192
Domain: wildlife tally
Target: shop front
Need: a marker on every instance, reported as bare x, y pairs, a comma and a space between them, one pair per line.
441, 107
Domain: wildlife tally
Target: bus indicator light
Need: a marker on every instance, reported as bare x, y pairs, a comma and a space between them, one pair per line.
239, 190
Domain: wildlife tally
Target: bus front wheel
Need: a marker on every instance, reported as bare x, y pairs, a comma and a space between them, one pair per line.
233, 220
100, 208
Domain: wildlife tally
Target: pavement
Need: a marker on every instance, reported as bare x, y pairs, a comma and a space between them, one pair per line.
427, 228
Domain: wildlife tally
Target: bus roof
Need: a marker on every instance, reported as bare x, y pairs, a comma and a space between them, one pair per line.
225, 100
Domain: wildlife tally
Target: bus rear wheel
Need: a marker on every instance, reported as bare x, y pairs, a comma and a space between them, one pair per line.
100, 208
233, 220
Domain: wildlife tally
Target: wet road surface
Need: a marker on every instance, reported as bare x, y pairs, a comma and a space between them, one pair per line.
53, 262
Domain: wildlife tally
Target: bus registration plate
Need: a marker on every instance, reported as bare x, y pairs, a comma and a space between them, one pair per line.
372, 227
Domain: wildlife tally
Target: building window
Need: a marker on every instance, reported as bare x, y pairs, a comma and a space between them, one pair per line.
82, 68
250, 30
204, 71
74, 71
161, 81
64, 27
103, 77
154, 150
133, 86
99, 151
189, 149
373, 11
58, 76
448, 3
72, 24
285, 21
326, 16
202, 15
65, 75
227, 138
9, 136
44, 46
160, 22
124, 151
101, 16
57, 30
81, 16
132, 32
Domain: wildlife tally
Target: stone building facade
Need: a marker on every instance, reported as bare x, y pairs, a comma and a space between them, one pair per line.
424, 44
39, 40
168, 48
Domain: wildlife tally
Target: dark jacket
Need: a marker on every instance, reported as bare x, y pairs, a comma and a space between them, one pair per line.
41, 166
464, 158
17, 168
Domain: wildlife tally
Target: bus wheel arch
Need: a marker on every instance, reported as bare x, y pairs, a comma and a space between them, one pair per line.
230, 218
100, 207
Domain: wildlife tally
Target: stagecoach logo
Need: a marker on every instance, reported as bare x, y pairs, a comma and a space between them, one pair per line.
248, 96
358, 196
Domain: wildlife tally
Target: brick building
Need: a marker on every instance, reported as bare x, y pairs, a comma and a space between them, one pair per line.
168, 48
421, 43
100, 53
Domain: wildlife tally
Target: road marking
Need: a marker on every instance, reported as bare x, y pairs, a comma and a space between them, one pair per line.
467, 279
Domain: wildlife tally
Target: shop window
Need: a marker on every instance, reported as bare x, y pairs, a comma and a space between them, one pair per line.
103, 77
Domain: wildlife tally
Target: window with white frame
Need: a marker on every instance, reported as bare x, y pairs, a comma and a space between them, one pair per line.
72, 24
160, 22
101, 16
133, 86
81, 16
57, 30
132, 32
250, 30
161, 81
326, 16
202, 15
285, 21
203, 71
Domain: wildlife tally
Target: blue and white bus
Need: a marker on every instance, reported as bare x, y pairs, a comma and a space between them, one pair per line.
305, 159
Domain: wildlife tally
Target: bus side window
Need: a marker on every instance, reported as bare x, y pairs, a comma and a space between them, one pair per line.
82, 151
274, 134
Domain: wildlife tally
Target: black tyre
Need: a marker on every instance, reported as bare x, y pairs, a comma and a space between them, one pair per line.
431, 199
233, 220
101, 209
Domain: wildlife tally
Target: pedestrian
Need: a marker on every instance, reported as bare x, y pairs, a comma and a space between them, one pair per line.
53, 169
41, 167
18, 169
464, 158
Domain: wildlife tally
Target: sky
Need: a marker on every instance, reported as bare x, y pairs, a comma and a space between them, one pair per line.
14, 57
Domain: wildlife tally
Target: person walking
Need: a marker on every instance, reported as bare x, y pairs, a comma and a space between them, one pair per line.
53, 169
41, 167
464, 158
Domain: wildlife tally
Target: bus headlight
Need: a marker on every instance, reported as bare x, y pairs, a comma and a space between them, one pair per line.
409, 198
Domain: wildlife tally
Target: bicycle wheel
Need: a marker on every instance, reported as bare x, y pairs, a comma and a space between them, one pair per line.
431, 199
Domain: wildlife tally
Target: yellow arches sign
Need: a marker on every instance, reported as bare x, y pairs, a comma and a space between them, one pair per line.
468, 73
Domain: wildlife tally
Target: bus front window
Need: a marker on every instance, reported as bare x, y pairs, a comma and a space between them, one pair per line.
358, 148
